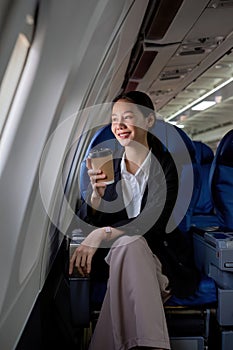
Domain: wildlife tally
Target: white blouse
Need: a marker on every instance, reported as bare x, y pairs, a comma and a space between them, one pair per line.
133, 186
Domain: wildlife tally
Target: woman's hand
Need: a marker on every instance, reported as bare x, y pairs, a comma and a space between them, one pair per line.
82, 256
98, 187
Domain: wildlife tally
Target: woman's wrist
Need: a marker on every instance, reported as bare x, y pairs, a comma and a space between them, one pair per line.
95, 201
107, 233
111, 233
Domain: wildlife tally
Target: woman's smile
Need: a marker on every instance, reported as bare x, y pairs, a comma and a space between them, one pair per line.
123, 134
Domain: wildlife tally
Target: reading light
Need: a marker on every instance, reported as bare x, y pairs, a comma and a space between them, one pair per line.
203, 105
181, 126
199, 99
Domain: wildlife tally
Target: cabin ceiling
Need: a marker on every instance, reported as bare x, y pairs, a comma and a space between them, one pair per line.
178, 41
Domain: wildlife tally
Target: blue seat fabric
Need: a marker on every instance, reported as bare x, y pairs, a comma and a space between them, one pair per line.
221, 180
203, 214
206, 294
205, 156
183, 151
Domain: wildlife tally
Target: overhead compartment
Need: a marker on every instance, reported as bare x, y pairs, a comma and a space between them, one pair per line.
176, 44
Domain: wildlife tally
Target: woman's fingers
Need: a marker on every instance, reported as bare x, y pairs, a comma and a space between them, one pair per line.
72, 263
82, 269
88, 163
96, 178
89, 260
96, 175
98, 187
82, 256
82, 259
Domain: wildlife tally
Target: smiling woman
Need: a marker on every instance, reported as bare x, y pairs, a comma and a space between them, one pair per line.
139, 202
61, 65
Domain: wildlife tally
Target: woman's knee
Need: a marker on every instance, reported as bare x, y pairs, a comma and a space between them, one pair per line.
127, 240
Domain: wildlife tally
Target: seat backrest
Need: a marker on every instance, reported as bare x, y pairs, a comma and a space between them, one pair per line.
221, 181
181, 148
183, 151
205, 156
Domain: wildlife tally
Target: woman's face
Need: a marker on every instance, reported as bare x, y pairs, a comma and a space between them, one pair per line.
129, 124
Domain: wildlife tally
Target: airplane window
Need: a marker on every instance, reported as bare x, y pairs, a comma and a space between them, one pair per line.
12, 75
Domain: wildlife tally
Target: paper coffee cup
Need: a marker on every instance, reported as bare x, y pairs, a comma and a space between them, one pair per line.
102, 159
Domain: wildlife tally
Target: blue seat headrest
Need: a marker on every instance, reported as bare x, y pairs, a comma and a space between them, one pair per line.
225, 150
221, 180
204, 153
188, 142
172, 136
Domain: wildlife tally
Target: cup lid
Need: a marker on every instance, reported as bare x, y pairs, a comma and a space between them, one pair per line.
100, 152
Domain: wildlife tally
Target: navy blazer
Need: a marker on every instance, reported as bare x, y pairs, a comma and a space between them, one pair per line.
157, 203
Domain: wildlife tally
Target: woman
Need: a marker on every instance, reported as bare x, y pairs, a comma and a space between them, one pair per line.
131, 215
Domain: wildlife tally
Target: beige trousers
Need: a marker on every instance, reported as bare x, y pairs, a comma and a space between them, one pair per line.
132, 313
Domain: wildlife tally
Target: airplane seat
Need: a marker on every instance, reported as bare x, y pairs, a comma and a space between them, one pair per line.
177, 142
203, 214
205, 156
183, 150
214, 248
221, 181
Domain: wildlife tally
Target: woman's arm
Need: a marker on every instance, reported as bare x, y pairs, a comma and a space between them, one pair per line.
94, 195
98, 188
82, 256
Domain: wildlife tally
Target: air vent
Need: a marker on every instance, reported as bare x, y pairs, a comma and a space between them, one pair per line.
199, 46
176, 73
220, 3
160, 92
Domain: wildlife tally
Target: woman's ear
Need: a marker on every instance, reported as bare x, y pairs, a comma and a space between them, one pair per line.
150, 120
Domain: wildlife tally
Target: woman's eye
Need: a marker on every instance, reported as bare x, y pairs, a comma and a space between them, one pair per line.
127, 117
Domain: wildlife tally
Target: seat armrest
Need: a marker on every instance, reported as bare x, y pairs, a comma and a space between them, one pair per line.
79, 288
